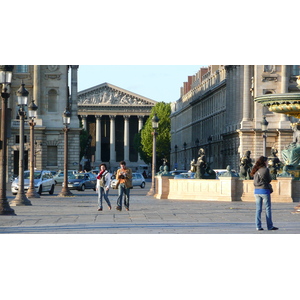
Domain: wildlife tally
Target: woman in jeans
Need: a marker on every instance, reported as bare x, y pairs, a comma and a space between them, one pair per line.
262, 179
103, 182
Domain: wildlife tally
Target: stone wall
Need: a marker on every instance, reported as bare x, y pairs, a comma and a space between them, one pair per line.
225, 189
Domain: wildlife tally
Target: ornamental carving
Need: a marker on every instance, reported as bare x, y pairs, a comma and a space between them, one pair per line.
110, 95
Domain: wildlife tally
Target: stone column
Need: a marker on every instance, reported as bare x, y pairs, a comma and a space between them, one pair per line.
246, 98
126, 138
98, 140
141, 123
36, 88
73, 100
284, 89
112, 139
84, 123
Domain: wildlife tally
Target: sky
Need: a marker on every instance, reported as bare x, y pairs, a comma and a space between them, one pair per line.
156, 82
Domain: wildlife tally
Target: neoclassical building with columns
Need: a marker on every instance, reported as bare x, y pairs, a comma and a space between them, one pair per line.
112, 116
48, 86
217, 112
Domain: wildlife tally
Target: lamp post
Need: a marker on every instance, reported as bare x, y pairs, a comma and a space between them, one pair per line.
66, 118
264, 127
21, 198
32, 108
209, 139
184, 147
155, 121
196, 146
5, 81
176, 164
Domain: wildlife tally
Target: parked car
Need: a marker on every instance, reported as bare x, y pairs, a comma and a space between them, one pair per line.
43, 182
137, 180
188, 175
59, 176
176, 172
82, 181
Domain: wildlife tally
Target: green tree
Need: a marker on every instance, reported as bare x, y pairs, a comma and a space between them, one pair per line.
144, 139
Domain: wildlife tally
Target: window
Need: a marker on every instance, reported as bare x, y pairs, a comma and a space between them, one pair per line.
22, 69
51, 155
52, 100
295, 70
18, 139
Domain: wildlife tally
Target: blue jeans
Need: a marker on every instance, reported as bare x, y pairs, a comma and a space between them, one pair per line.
266, 198
102, 192
123, 191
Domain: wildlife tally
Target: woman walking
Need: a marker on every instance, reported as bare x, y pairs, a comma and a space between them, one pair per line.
262, 192
103, 183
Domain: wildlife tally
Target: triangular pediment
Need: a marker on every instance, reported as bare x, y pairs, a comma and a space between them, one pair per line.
107, 94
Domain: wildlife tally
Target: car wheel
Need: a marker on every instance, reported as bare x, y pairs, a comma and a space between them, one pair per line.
40, 190
143, 185
52, 190
82, 187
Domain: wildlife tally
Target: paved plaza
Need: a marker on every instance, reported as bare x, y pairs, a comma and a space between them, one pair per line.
78, 214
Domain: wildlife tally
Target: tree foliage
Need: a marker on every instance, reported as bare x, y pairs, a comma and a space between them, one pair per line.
144, 140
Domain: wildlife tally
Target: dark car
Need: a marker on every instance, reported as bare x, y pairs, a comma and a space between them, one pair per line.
82, 181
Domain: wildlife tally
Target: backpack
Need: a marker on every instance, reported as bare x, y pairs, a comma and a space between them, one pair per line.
103, 180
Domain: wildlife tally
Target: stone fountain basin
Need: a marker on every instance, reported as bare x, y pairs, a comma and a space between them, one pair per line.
288, 103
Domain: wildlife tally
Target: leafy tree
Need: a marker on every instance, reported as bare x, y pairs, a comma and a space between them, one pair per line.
144, 140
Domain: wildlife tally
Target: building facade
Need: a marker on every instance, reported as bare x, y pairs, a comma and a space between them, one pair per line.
48, 87
217, 112
112, 116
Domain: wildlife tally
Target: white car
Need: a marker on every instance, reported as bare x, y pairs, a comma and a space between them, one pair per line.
43, 182
137, 180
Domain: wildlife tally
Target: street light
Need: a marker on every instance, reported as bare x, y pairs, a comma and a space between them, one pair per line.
184, 147
5, 81
66, 118
22, 96
176, 164
209, 139
264, 127
155, 121
32, 108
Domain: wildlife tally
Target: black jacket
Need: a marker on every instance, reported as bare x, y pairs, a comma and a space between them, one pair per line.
262, 178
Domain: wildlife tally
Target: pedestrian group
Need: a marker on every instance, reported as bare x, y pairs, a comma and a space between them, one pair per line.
124, 184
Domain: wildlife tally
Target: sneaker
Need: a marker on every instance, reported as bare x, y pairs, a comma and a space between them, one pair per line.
274, 228
99, 209
259, 229
118, 208
109, 207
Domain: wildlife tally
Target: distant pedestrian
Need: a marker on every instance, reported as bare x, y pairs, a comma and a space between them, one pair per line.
103, 183
262, 192
124, 177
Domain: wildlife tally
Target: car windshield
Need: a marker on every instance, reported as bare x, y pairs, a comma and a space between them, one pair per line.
77, 176
37, 175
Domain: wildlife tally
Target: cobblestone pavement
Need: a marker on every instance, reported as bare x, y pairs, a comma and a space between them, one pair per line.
147, 215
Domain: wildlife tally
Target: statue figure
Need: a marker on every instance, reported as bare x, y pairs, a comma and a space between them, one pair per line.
229, 173
245, 166
193, 167
200, 164
274, 163
291, 153
285, 173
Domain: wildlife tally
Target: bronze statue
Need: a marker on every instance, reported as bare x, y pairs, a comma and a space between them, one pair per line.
245, 166
274, 163
200, 165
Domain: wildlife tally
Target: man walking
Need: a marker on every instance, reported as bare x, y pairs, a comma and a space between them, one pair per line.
124, 177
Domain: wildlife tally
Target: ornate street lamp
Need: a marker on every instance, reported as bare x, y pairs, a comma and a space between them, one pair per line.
209, 139
66, 118
176, 164
32, 108
155, 121
22, 96
5, 81
184, 148
264, 128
